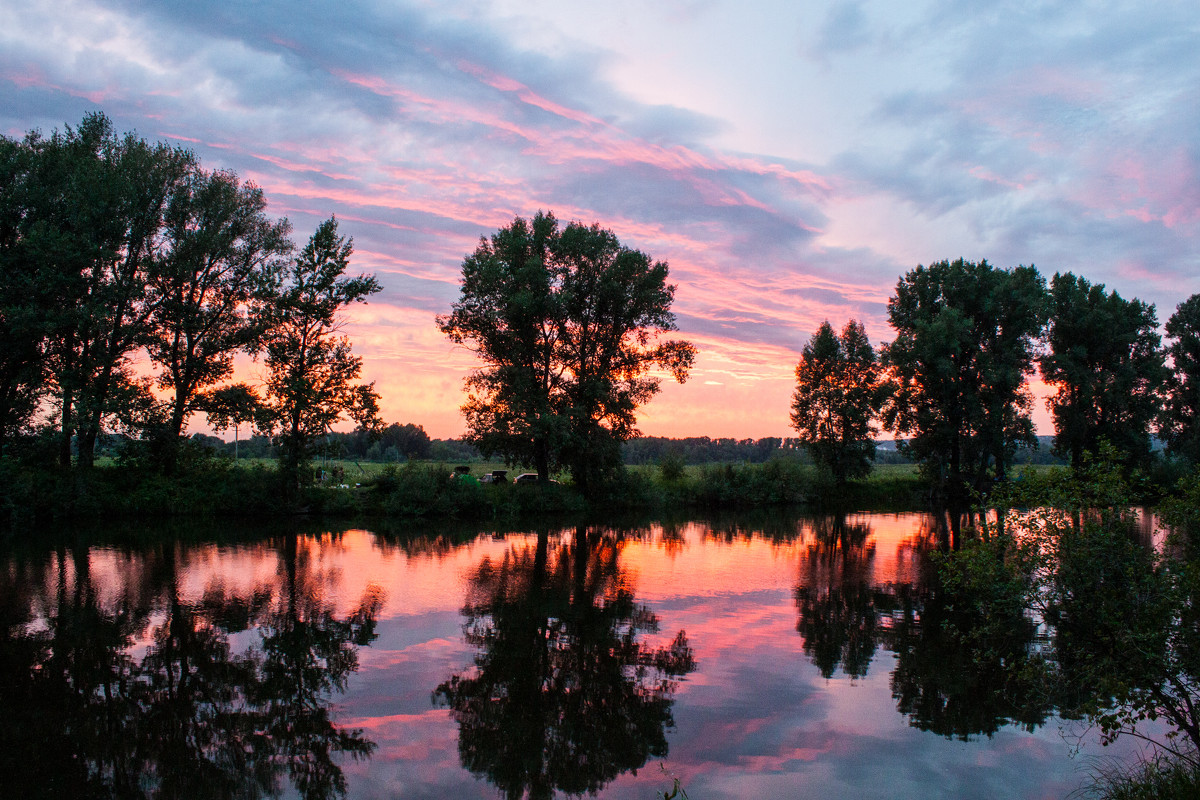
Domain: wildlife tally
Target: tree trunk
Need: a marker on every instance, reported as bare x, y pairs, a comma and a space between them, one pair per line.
171, 437
64, 442
87, 444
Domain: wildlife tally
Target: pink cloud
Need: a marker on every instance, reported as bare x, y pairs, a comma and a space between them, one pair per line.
419, 373
412, 269
31, 76
445, 110
526, 95
985, 174
596, 140
380, 196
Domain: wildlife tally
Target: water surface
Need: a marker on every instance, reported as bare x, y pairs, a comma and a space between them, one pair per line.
749, 657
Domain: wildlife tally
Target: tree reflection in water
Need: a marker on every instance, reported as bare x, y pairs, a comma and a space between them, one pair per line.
564, 695
836, 602
145, 695
965, 666
962, 671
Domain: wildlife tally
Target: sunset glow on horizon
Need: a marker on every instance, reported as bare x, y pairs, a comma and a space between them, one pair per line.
789, 161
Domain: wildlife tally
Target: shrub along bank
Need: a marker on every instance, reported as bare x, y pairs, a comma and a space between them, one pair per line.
221, 487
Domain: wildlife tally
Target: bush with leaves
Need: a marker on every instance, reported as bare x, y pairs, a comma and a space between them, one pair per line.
1124, 638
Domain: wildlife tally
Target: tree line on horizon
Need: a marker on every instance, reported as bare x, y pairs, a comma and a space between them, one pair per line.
568, 323
953, 386
118, 252
115, 251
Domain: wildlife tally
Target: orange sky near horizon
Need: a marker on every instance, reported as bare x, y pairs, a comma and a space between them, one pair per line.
734, 391
829, 149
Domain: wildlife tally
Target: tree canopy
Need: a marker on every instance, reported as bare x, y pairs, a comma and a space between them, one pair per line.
1177, 424
838, 393
566, 693
567, 324
131, 277
313, 374
227, 695
219, 269
1106, 367
964, 346
83, 233
114, 248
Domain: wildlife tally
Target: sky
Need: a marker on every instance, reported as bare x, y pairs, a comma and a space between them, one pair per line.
789, 160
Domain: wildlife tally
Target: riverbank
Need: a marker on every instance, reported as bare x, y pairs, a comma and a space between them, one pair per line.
423, 490
801, 628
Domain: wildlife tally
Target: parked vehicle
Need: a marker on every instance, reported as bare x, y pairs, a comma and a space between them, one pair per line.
530, 477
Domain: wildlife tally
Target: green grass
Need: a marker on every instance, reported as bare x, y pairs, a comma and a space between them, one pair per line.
357, 471
779, 481
251, 486
1158, 778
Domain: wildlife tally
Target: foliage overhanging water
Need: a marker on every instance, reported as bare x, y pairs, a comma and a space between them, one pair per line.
751, 656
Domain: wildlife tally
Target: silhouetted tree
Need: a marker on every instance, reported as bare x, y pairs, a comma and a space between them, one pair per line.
506, 315
965, 335
96, 225
961, 672
567, 325
1123, 641
308, 653
28, 290
312, 372
231, 407
410, 440
196, 733
183, 713
220, 260
838, 393
1178, 423
615, 302
836, 603
704, 450
1106, 368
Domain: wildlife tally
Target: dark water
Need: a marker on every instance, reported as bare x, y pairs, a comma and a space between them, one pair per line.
782, 657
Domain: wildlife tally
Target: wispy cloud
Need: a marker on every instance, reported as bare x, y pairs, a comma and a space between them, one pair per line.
1066, 136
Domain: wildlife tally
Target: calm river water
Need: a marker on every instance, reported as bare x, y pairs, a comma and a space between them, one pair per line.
749, 657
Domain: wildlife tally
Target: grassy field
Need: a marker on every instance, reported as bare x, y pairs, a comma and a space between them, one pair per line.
356, 471
881, 472
361, 471
425, 489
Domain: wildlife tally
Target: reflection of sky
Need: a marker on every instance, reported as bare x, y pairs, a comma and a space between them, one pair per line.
755, 720
789, 160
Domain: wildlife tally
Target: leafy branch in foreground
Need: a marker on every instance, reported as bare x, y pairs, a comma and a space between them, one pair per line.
1121, 615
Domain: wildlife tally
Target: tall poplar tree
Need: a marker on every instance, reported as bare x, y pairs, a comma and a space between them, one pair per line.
838, 393
313, 374
568, 325
965, 336
1106, 367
